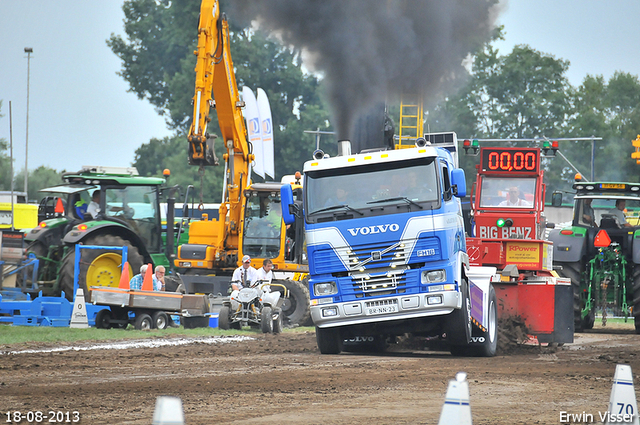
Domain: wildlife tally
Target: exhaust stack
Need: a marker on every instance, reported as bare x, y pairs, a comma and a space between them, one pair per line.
344, 147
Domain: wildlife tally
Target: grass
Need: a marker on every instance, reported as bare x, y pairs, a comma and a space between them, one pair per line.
43, 334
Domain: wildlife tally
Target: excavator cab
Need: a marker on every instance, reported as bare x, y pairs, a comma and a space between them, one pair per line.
262, 224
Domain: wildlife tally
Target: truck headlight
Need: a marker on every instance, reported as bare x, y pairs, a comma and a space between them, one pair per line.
330, 312
434, 276
325, 288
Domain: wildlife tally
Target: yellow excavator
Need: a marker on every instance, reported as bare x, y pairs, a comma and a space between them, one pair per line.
250, 219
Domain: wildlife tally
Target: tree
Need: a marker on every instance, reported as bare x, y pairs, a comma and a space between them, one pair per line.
158, 63
39, 178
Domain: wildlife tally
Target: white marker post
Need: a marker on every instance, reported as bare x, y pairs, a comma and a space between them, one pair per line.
79, 317
456, 408
623, 406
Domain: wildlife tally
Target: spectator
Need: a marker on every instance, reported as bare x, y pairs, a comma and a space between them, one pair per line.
243, 275
136, 281
264, 274
158, 278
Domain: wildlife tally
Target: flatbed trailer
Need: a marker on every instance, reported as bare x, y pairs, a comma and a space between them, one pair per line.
148, 309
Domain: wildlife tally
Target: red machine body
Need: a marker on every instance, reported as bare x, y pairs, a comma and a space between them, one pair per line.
507, 202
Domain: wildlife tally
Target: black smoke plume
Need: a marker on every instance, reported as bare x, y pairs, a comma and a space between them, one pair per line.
370, 51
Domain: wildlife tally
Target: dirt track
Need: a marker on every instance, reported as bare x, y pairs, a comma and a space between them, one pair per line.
282, 379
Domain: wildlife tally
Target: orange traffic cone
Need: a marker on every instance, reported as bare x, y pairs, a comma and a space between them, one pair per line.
59, 209
147, 283
124, 277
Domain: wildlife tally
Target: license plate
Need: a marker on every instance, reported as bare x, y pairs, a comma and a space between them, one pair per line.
382, 310
612, 186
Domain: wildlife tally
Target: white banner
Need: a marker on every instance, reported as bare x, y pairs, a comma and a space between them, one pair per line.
267, 133
252, 115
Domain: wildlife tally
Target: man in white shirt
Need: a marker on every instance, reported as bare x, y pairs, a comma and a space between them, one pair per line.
243, 275
94, 205
264, 274
618, 212
513, 200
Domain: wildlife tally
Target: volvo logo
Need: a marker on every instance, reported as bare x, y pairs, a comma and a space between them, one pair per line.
371, 230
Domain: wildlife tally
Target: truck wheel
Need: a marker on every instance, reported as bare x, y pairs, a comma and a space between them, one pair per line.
143, 322
223, 318
103, 319
485, 344
636, 297
277, 322
573, 271
329, 340
160, 320
458, 326
296, 308
266, 320
98, 267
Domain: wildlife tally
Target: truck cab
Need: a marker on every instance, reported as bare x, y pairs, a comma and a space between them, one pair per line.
386, 243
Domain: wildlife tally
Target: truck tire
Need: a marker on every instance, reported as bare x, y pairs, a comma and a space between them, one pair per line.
296, 308
266, 320
485, 344
329, 340
143, 322
160, 320
573, 271
458, 325
636, 297
103, 319
102, 265
223, 318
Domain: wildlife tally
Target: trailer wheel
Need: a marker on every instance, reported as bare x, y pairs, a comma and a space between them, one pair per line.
99, 267
329, 340
458, 326
223, 318
485, 344
103, 319
636, 297
295, 308
573, 272
277, 322
160, 320
143, 322
266, 320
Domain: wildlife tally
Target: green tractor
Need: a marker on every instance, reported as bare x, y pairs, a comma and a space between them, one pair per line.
600, 252
129, 214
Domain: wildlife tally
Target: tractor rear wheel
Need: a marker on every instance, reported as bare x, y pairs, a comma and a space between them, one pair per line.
296, 307
98, 267
573, 271
636, 297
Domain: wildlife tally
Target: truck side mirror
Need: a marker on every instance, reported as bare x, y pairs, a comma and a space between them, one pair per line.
458, 183
556, 199
287, 204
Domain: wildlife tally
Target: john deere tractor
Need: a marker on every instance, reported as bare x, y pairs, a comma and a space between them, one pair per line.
600, 252
129, 215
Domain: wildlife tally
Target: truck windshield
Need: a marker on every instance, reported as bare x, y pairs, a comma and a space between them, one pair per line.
262, 227
511, 193
364, 188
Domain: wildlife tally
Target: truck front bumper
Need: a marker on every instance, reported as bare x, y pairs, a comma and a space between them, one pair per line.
385, 309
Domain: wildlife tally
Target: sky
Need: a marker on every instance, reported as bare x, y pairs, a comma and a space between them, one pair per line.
80, 112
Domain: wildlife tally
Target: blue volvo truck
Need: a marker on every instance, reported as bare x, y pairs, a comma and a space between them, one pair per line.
386, 248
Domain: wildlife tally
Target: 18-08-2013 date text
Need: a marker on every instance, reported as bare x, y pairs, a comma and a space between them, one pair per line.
38, 416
